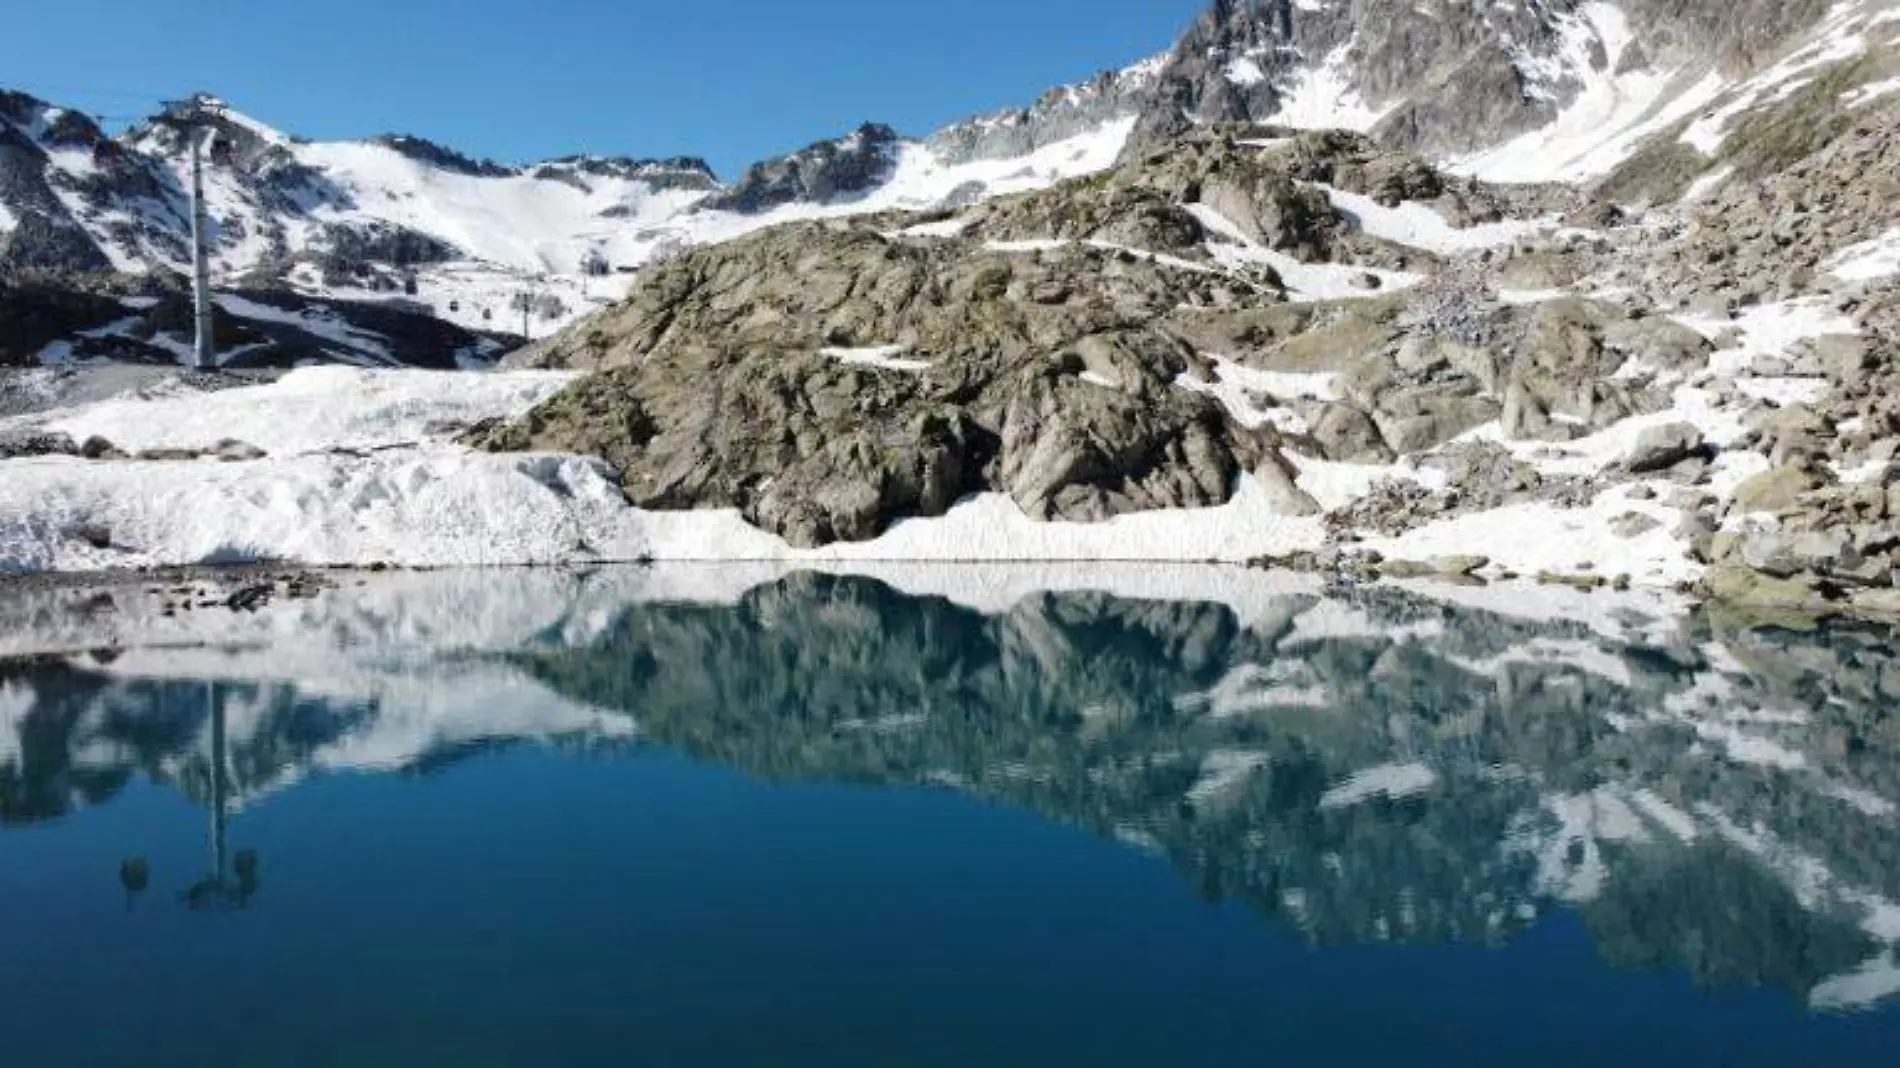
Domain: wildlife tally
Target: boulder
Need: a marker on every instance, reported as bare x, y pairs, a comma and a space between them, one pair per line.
231, 450
98, 448
20, 443
1662, 447
1777, 489
1346, 434
1784, 555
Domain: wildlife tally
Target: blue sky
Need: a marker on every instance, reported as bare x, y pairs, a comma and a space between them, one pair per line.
730, 80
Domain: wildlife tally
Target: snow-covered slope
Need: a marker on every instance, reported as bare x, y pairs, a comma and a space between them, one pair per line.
484, 246
1558, 91
1533, 92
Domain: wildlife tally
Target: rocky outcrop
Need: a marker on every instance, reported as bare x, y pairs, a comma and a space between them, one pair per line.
1058, 115
821, 173
677, 173
729, 381
1442, 79
829, 378
441, 156
38, 309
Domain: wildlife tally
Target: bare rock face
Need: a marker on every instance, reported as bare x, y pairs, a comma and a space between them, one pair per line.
1445, 77
817, 450
1441, 78
830, 378
821, 172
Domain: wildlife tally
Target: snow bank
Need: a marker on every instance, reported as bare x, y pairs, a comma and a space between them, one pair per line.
314, 408
357, 472
1870, 260
1418, 226
439, 506
1537, 537
1304, 281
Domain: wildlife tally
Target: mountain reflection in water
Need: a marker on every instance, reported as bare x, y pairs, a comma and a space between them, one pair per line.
1383, 767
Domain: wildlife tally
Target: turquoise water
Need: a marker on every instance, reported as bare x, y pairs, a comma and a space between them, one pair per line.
828, 822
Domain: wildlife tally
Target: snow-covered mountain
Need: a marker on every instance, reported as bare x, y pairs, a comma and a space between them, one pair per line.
1528, 91
1531, 91
485, 246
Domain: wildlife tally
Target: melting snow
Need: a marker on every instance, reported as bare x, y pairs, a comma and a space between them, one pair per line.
1837, 39
1869, 260
1611, 114
1416, 225
1322, 98
884, 356
355, 477
1391, 780
1304, 281
1870, 92
1238, 388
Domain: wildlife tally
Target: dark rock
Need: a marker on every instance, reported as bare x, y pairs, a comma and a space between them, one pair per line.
823, 172
18, 443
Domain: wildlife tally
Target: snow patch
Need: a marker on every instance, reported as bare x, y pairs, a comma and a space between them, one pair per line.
1322, 98
1394, 781
1418, 226
1870, 92
313, 409
1872, 259
1304, 281
888, 357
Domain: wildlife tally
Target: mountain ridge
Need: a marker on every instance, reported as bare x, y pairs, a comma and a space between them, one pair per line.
1505, 90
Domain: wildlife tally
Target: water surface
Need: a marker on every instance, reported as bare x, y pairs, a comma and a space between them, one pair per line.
672, 817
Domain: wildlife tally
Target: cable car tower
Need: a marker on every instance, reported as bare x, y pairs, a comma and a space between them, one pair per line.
192, 117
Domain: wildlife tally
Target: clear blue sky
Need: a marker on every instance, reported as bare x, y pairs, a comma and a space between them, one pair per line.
518, 80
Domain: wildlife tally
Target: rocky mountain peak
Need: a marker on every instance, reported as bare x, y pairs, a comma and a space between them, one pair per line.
676, 172
820, 172
1058, 115
423, 150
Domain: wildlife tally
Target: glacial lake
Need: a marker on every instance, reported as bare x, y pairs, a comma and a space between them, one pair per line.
940, 817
